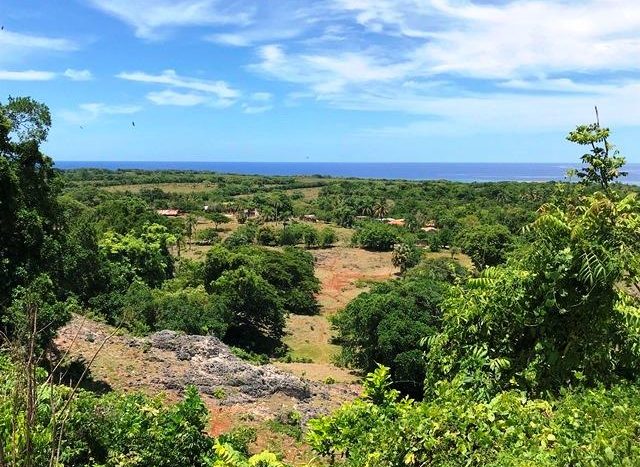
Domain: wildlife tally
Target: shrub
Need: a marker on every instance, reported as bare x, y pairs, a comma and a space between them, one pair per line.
327, 237
267, 236
208, 236
376, 236
405, 256
582, 427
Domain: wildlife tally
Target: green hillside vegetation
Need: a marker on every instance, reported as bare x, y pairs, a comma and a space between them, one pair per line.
532, 362
530, 357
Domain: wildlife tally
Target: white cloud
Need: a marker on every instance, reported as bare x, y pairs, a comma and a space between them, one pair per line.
260, 102
255, 109
16, 47
245, 38
328, 74
222, 91
93, 110
27, 75
168, 97
518, 64
39, 75
262, 96
28, 41
152, 18
510, 39
78, 75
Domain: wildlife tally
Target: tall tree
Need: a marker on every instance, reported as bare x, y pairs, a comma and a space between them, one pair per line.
29, 213
603, 161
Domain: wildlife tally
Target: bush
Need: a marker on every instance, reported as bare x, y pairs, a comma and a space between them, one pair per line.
582, 427
485, 244
243, 235
267, 236
376, 236
208, 236
405, 256
387, 324
327, 237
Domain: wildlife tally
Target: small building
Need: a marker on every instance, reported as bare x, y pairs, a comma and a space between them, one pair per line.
429, 227
310, 218
169, 212
398, 222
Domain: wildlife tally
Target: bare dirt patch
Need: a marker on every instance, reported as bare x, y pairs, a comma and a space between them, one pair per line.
343, 270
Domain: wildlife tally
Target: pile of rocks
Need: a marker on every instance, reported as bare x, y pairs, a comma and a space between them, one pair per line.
216, 371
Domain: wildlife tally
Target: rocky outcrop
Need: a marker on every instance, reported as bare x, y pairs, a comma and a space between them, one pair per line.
216, 371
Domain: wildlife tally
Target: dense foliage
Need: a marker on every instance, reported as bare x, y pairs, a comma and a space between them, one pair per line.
385, 325
113, 430
596, 426
533, 362
376, 236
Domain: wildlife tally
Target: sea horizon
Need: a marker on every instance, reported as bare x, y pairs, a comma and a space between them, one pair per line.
452, 171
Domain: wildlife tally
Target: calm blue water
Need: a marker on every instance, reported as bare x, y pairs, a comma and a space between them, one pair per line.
463, 172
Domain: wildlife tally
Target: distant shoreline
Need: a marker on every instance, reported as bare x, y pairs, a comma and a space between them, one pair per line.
460, 172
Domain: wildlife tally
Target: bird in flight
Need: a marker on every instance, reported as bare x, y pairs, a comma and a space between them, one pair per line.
133, 124
81, 127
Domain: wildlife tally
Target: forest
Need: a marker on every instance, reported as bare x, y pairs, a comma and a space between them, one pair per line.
500, 327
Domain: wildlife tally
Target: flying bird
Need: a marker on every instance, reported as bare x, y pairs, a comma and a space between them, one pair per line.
133, 124
81, 127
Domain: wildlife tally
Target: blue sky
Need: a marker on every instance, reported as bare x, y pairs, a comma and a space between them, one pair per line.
324, 80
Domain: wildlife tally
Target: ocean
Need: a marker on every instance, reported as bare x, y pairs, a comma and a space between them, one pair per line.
462, 172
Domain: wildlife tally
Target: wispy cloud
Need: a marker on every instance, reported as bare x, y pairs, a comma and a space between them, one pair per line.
28, 41
27, 75
41, 75
259, 102
151, 19
78, 75
168, 97
15, 47
217, 93
463, 62
91, 111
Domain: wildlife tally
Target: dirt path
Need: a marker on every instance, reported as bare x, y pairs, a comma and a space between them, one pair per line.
342, 272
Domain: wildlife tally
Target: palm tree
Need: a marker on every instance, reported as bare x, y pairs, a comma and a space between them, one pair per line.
380, 208
189, 226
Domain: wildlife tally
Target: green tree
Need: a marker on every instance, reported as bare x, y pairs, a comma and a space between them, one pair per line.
218, 218
327, 237
310, 237
405, 256
386, 325
145, 256
485, 244
252, 301
376, 236
381, 208
603, 161
190, 224
31, 226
